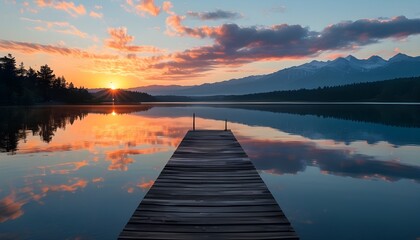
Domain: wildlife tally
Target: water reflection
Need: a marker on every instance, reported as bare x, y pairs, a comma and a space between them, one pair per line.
394, 114
280, 157
82, 142
346, 125
99, 161
16, 122
11, 206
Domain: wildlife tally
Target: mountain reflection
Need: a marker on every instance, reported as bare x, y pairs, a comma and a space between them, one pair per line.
291, 157
393, 115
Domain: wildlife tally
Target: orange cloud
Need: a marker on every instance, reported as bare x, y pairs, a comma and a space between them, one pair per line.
95, 14
333, 56
146, 185
32, 48
175, 27
57, 148
130, 190
68, 7
74, 167
60, 27
81, 183
120, 163
10, 208
166, 6
99, 179
148, 6
120, 160
26, 6
120, 40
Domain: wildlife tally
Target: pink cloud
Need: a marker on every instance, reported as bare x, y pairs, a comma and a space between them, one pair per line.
68, 7
33, 48
95, 14
232, 46
147, 7
81, 183
146, 185
99, 179
59, 27
166, 6
175, 27
66, 168
26, 6
120, 160
235, 45
120, 40
10, 208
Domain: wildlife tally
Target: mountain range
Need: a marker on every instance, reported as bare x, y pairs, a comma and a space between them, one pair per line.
341, 71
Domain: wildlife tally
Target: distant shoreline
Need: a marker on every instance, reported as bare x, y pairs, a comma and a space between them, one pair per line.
216, 103
287, 103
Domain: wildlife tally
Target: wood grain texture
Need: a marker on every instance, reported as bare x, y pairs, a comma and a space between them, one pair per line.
209, 189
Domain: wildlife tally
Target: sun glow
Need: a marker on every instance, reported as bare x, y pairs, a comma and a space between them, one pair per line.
112, 86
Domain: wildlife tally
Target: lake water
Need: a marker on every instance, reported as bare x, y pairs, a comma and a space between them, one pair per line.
337, 171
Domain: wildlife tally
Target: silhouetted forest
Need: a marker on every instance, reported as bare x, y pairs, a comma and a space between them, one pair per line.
21, 86
395, 90
122, 96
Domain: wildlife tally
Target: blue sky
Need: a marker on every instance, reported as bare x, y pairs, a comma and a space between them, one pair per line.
146, 42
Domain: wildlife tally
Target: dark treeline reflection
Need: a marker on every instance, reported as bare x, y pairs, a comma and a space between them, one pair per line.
17, 122
293, 157
394, 115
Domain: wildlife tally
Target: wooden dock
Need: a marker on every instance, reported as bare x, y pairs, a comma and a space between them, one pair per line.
209, 189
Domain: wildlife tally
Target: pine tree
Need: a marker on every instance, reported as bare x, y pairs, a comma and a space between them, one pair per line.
46, 77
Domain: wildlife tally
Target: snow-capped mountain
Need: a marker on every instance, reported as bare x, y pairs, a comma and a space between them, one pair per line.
340, 71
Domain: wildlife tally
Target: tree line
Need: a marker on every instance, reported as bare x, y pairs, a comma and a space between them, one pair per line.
21, 86
395, 90
122, 96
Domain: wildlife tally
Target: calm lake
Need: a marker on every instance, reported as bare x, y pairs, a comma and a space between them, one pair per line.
337, 171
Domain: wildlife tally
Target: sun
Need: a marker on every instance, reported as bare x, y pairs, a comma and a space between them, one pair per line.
112, 86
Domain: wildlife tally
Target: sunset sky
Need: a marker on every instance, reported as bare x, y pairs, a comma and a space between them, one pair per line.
151, 42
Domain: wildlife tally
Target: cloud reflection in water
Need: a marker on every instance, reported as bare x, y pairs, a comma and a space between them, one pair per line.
280, 157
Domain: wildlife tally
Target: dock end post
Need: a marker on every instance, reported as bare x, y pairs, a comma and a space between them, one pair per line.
193, 121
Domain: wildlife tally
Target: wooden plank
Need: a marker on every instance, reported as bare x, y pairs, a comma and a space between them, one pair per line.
209, 189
